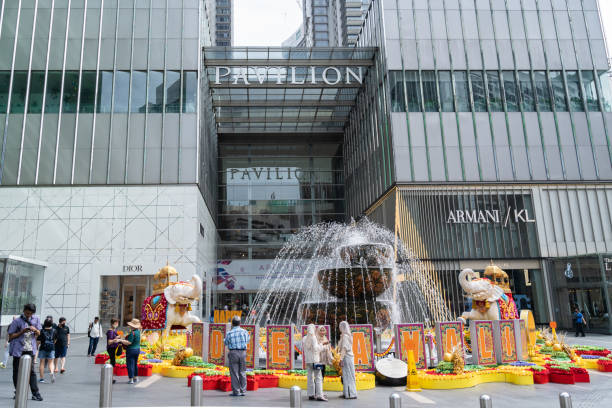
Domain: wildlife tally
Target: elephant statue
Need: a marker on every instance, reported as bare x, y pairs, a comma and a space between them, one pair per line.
172, 308
485, 296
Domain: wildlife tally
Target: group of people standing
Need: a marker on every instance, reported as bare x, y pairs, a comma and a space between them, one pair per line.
317, 355
48, 342
116, 342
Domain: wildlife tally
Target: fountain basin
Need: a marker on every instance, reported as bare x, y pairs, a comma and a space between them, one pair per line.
375, 254
357, 282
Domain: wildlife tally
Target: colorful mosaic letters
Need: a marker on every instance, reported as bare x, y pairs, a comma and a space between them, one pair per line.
410, 337
279, 343
483, 347
363, 347
216, 347
448, 335
507, 335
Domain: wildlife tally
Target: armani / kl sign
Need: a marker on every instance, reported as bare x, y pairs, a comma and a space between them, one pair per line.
288, 75
487, 216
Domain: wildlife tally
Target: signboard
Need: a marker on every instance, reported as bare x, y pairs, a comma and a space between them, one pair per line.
292, 75
411, 337
197, 339
279, 347
327, 334
483, 345
490, 216
507, 336
252, 356
448, 336
226, 316
216, 347
363, 347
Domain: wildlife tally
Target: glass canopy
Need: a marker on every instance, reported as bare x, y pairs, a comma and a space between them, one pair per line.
259, 89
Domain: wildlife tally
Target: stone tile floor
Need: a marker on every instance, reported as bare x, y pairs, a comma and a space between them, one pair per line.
79, 387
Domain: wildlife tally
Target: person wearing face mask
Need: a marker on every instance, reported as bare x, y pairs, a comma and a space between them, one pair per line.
312, 358
23, 332
61, 345
345, 347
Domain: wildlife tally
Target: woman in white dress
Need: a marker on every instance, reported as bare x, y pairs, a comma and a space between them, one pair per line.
312, 358
345, 348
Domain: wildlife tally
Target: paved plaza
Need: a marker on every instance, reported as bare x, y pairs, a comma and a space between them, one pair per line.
79, 387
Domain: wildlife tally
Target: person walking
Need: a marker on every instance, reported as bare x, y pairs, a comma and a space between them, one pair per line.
94, 333
312, 358
46, 352
579, 321
113, 343
132, 350
236, 341
345, 346
22, 337
61, 345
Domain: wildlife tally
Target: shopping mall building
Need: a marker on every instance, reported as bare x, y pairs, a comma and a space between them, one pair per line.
476, 130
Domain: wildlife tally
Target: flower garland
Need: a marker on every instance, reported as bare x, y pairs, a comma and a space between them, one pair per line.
387, 351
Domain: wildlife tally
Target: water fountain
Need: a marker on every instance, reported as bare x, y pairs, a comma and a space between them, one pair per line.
359, 272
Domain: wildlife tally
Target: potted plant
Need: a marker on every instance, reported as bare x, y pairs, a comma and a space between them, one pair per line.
120, 370
561, 375
145, 370
224, 384
252, 383
540, 375
102, 358
580, 374
604, 364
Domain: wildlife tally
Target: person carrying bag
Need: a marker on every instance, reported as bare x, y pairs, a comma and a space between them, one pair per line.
312, 358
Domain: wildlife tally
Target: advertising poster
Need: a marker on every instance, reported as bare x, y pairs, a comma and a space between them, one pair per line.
216, 347
410, 337
279, 347
363, 347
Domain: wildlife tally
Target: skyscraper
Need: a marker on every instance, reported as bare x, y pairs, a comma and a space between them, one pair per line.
220, 16
333, 23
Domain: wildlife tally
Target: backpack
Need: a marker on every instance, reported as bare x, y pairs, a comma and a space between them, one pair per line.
89, 329
48, 344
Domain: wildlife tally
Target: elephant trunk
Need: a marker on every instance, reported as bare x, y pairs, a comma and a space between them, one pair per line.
197, 287
465, 280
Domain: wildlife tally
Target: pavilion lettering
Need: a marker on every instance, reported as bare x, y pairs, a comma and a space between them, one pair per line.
489, 216
265, 173
288, 75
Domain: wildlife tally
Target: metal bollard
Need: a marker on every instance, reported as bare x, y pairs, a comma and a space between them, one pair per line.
196, 391
295, 397
565, 401
23, 381
395, 401
106, 386
485, 401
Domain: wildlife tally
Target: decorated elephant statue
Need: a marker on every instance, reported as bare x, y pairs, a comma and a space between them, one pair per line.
171, 309
484, 294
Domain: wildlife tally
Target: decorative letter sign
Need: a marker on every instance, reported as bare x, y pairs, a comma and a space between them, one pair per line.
507, 335
216, 347
252, 357
524, 341
448, 335
197, 338
410, 337
327, 331
279, 344
363, 347
483, 346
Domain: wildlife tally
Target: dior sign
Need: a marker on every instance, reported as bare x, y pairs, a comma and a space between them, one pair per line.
489, 216
288, 75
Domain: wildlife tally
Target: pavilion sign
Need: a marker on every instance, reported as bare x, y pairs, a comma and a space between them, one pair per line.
248, 75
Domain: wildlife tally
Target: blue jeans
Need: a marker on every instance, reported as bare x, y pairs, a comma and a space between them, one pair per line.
93, 344
131, 360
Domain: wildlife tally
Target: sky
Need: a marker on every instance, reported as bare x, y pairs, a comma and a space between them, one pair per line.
270, 22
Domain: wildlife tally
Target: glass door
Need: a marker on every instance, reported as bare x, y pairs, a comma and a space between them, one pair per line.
133, 296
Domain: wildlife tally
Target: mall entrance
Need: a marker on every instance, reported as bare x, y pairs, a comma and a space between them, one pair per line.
121, 297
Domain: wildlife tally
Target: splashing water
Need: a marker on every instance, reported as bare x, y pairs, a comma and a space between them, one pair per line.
358, 272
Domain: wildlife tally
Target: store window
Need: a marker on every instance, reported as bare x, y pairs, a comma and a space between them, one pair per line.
20, 283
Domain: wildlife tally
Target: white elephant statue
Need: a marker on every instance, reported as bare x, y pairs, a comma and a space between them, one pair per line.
484, 294
172, 308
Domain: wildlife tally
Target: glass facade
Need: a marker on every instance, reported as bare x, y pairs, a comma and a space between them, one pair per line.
267, 191
21, 282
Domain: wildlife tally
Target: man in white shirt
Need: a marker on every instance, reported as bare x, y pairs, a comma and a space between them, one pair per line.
94, 333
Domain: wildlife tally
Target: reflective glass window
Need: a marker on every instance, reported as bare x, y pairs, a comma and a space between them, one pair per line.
542, 91
54, 92
447, 103
462, 91
413, 91
511, 92
173, 91
37, 92
20, 86
105, 92
494, 87
71, 91
604, 81
5, 81
397, 92
122, 91
156, 92
139, 92
575, 91
88, 92
190, 91
558, 87
478, 91
430, 94
527, 98
590, 90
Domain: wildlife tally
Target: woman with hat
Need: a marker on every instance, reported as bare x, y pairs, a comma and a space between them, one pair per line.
132, 351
